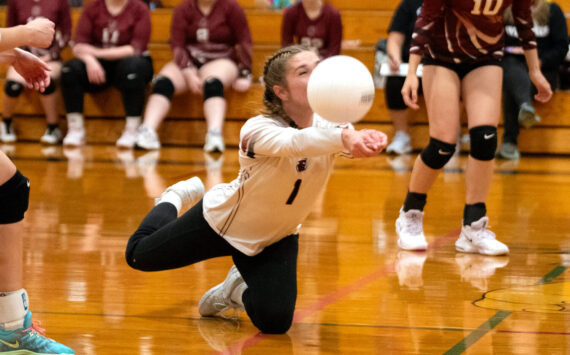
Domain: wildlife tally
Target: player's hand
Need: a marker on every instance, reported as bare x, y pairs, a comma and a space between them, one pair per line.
242, 84
542, 86
364, 143
34, 70
193, 80
95, 72
374, 139
41, 31
410, 91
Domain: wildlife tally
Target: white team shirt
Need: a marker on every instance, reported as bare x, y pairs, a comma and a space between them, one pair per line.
283, 171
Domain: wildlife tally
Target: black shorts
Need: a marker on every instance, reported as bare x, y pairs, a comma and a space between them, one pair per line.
393, 92
461, 69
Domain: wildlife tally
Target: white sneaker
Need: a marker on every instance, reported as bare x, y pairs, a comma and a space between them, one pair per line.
214, 142
74, 137
147, 139
218, 299
190, 191
7, 134
53, 137
476, 238
409, 227
127, 139
401, 144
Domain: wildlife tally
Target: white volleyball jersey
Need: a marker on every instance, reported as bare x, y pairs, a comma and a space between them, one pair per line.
282, 172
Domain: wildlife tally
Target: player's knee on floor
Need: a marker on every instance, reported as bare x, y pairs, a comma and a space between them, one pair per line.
50, 89
13, 88
213, 87
437, 153
163, 86
483, 142
14, 197
275, 322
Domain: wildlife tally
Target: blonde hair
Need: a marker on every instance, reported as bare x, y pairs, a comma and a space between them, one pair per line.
540, 13
274, 74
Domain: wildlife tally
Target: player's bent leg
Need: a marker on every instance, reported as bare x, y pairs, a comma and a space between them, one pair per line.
271, 278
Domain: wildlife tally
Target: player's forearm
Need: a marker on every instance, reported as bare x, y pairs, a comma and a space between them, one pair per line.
414, 63
115, 52
394, 45
14, 37
532, 60
8, 56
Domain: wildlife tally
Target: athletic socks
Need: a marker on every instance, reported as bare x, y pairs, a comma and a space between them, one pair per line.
474, 212
13, 309
415, 201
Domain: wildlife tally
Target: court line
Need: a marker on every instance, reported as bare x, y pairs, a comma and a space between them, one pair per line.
492, 322
337, 325
339, 166
334, 297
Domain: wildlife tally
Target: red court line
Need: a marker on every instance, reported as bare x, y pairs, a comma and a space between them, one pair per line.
335, 296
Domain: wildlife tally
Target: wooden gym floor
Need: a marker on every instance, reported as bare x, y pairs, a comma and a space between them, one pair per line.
358, 294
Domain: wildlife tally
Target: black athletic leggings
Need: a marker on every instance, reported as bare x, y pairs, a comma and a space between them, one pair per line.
130, 75
518, 89
164, 241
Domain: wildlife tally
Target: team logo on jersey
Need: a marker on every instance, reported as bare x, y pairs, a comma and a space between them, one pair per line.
202, 35
302, 165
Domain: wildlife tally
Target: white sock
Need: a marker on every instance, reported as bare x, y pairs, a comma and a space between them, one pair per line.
237, 293
13, 309
171, 197
133, 122
75, 120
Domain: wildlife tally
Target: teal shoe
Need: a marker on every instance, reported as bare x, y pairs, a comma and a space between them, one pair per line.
527, 115
30, 340
509, 151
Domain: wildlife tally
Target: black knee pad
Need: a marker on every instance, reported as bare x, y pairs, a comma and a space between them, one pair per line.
14, 197
13, 88
437, 153
483, 142
213, 87
50, 89
163, 86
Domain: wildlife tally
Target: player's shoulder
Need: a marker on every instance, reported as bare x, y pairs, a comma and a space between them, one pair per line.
261, 121
94, 7
293, 9
331, 10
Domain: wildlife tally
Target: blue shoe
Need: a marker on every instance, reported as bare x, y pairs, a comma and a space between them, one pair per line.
29, 340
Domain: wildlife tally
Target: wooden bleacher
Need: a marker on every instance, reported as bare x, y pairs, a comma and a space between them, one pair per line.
364, 20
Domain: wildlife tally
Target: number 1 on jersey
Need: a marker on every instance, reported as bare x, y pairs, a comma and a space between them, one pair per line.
294, 192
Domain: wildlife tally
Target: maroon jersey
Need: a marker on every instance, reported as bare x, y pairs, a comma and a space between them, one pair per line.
323, 33
196, 38
21, 12
101, 29
465, 31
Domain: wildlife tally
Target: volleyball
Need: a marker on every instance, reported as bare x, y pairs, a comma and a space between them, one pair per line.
341, 89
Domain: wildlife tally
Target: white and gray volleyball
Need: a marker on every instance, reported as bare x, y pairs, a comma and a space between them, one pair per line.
341, 89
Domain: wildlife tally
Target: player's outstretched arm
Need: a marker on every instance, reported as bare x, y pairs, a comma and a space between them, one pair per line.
36, 33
